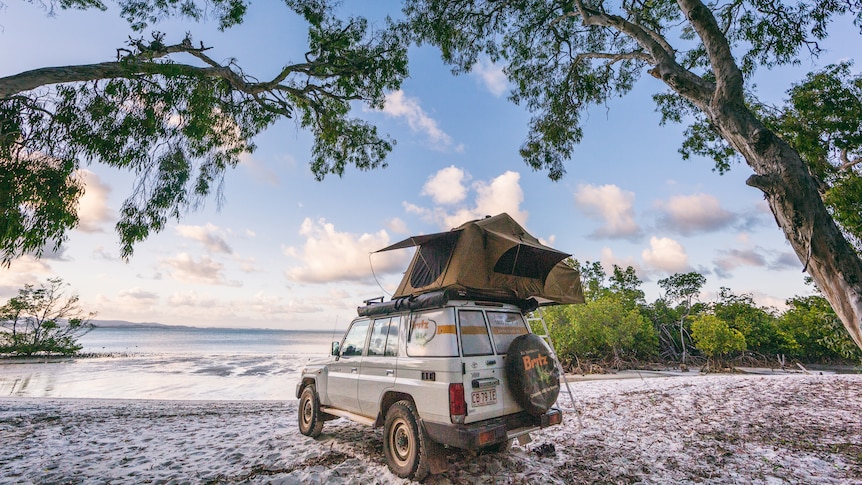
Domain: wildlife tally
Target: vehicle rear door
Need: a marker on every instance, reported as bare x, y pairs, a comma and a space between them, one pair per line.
484, 388
505, 326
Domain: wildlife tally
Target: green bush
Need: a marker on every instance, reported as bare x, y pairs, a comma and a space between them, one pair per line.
821, 336
42, 320
761, 328
602, 329
714, 337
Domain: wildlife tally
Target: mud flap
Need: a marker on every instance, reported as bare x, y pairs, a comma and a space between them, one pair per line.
437, 458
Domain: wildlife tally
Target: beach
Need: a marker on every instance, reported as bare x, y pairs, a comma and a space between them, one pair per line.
701, 429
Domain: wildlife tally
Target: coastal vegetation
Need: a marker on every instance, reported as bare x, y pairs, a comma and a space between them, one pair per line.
43, 320
617, 328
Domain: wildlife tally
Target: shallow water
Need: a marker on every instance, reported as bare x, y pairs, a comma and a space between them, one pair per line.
168, 363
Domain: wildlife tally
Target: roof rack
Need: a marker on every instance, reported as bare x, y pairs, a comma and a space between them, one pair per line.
438, 298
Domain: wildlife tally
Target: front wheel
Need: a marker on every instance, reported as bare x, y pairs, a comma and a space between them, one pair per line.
405, 443
310, 418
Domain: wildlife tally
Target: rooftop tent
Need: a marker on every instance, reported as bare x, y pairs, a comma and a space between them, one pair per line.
494, 257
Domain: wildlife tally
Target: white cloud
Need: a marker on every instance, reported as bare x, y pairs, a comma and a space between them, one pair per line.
397, 225
134, 300
248, 265
492, 76
260, 307
138, 294
501, 194
447, 187
209, 235
205, 271
93, 210
609, 259
688, 214
730, 259
766, 300
786, 260
612, 206
329, 255
22, 271
259, 171
99, 252
665, 254
398, 105
550, 241
192, 299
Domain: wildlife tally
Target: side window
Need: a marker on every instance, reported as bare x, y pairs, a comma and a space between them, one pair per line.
432, 334
392, 341
505, 326
474, 333
354, 341
378, 336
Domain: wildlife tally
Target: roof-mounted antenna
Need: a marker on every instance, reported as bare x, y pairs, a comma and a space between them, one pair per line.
376, 281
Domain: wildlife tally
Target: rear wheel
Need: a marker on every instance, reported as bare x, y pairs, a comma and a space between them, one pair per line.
405, 443
310, 417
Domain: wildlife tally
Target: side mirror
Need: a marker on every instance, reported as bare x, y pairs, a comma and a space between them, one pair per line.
335, 348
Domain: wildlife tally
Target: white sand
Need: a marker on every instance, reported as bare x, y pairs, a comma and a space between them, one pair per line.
707, 429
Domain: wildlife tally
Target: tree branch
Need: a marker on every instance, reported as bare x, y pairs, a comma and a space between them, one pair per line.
665, 67
145, 62
848, 164
614, 57
729, 81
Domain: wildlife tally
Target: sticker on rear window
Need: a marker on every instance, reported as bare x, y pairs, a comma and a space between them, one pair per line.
424, 331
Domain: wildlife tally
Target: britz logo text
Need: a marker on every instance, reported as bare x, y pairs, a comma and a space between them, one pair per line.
529, 362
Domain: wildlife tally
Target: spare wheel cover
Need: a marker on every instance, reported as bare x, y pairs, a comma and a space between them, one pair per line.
533, 376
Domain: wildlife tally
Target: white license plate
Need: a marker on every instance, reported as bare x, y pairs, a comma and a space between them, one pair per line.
484, 398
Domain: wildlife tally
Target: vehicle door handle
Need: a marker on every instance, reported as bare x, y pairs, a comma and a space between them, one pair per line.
353, 369
390, 372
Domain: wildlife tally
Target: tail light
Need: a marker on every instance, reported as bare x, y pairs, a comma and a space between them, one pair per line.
457, 404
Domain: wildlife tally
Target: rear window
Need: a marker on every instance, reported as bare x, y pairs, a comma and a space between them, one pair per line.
432, 334
474, 333
505, 326
384, 337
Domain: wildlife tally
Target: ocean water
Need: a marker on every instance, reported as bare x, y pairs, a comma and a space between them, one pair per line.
171, 363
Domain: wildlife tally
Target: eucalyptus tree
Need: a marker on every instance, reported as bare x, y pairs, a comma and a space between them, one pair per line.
178, 118
564, 56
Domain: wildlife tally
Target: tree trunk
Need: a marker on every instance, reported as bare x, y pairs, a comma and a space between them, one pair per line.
799, 211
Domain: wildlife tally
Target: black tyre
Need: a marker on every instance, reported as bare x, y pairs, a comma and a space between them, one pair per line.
533, 376
405, 443
310, 417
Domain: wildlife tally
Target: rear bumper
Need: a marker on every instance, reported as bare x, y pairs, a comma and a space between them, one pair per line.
484, 433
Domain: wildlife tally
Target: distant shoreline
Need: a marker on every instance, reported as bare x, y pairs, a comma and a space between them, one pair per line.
135, 325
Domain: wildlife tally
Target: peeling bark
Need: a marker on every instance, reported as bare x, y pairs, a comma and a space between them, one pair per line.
780, 173
795, 202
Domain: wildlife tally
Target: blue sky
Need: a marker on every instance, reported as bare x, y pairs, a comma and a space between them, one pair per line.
285, 251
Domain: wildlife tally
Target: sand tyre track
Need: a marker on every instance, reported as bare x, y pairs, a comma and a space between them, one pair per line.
405, 443
310, 417
532, 374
